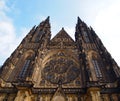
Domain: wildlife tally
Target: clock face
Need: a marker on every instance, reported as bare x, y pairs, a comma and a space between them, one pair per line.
60, 69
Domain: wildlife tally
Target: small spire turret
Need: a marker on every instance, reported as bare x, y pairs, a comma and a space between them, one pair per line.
79, 20
45, 22
47, 19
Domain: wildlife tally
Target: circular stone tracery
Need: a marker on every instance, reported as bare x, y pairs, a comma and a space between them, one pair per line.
60, 69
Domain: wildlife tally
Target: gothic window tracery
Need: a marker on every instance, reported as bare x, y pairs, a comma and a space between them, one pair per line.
86, 36
97, 68
24, 68
96, 65
39, 35
60, 68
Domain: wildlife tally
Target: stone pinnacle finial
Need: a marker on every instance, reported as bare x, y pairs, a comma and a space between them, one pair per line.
79, 20
47, 19
62, 28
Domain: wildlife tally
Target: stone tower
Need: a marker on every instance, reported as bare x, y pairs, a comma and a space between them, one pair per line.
60, 69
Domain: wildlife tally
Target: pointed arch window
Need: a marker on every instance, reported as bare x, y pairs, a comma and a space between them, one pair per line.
24, 68
86, 36
97, 68
39, 35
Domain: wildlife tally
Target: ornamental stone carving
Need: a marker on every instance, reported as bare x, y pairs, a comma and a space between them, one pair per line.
60, 69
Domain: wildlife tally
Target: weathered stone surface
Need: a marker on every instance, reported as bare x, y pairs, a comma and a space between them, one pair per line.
60, 69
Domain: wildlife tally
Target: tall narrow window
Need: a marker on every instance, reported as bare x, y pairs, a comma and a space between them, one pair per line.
97, 68
39, 35
86, 36
24, 69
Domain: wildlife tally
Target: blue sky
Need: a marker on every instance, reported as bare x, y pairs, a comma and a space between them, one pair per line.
17, 17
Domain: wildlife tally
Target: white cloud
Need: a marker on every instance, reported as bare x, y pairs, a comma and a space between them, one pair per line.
106, 26
8, 39
107, 23
3, 6
7, 35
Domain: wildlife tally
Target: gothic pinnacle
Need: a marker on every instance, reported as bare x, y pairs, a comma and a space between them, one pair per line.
79, 20
46, 21
62, 28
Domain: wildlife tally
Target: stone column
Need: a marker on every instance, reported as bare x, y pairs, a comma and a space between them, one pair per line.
94, 92
2, 96
23, 95
20, 96
28, 96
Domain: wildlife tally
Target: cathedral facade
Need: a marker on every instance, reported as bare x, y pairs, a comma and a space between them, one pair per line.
60, 69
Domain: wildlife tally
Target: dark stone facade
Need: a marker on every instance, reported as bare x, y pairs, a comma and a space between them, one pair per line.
60, 69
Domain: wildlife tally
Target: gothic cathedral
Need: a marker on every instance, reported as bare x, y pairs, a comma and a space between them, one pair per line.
60, 69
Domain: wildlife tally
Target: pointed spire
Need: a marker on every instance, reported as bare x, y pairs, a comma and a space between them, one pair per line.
91, 28
33, 28
46, 21
63, 28
78, 27
79, 20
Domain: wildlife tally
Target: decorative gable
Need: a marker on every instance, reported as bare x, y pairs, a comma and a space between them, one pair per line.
62, 40
59, 95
